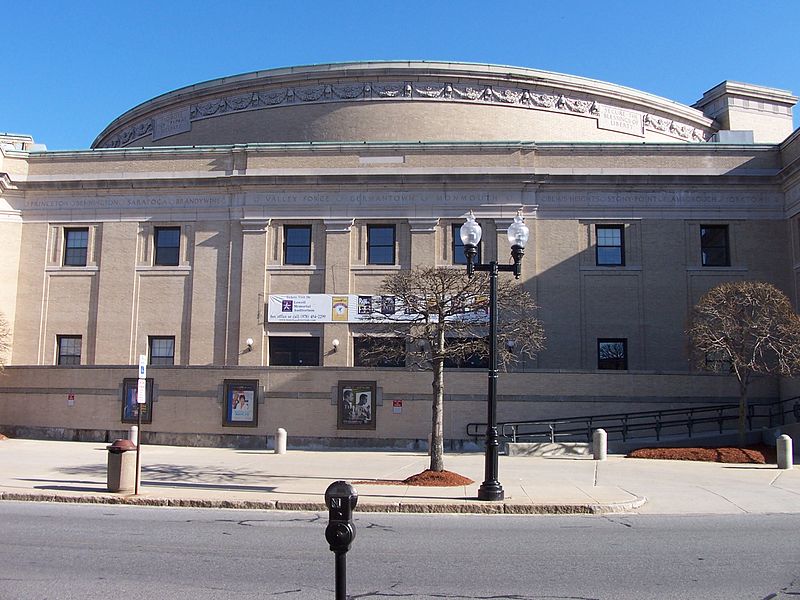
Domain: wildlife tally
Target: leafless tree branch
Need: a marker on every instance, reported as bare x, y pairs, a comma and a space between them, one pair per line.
444, 317
746, 328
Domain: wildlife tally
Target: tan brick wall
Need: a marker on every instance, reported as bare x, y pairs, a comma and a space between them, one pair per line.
300, 399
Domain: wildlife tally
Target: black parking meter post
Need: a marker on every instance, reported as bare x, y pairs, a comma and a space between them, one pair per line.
341, 499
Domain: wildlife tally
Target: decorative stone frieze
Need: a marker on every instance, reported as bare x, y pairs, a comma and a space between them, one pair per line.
430, 91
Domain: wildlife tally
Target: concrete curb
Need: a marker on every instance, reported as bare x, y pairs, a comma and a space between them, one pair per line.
484, 508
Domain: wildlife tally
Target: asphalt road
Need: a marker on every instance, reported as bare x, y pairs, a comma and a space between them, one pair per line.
53, 551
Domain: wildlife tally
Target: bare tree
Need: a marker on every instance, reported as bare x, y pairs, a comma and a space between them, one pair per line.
440, 315
5, 340
746, 328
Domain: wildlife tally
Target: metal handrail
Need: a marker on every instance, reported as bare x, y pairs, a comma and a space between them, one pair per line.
657, 422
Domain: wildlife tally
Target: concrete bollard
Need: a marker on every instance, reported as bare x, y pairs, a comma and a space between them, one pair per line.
784, 447
133, 434
600, 444
280, 441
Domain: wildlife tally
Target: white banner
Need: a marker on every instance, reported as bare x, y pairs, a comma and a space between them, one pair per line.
347, 308
332, 308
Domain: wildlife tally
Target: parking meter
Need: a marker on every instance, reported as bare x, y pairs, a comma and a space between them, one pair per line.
341, 499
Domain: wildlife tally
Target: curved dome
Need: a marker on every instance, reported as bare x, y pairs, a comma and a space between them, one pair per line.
403, 101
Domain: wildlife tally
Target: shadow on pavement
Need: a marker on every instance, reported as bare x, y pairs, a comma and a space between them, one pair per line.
178, 473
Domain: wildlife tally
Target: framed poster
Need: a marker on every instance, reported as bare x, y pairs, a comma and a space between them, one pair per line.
356, 402
130, 407
240, 408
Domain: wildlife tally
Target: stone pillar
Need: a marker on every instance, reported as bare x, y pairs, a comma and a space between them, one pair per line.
280, 441
784, 447
600, 444
338, 250
252, 300
423, 241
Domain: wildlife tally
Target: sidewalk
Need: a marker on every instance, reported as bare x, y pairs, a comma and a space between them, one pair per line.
222, 477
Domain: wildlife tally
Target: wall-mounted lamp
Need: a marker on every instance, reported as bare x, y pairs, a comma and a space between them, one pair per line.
248, 346
335, 344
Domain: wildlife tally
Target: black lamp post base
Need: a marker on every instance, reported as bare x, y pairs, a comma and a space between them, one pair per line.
491, 490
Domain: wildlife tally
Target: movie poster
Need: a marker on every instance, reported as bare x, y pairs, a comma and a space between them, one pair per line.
241, 403
356, 405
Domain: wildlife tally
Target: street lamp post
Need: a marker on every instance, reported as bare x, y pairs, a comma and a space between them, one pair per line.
471, 236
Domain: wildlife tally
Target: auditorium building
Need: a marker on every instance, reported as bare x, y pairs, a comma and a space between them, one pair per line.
231, 232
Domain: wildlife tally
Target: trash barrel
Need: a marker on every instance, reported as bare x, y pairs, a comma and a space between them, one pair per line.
121, 466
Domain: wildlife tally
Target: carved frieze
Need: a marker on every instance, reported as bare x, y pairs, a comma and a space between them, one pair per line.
436, 91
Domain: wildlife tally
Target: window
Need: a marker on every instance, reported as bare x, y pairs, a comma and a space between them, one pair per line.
162, 350
610, 249
69, 350
294, 351
167, 245
380, 244
718, 361
76, 244
379, 352
458, 247
468, 358
612, 354
297, 244
714, 246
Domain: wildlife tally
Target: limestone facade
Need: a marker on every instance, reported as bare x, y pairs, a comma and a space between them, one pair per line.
229, 178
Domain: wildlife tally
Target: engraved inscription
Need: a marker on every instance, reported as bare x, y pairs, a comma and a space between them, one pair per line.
620, 119
172, 123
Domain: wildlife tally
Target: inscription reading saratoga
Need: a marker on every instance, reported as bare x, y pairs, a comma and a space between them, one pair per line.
127, 202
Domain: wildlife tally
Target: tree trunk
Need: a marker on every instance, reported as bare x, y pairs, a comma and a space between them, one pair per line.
742, 415
437, 420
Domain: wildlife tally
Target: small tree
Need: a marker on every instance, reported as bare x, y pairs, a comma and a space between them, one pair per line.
747, 328
444, 316
5, 340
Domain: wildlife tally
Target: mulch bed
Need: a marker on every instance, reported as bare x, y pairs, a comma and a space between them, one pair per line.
427, 478
758, 454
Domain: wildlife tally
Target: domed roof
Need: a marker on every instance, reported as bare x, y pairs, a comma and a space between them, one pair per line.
403, 101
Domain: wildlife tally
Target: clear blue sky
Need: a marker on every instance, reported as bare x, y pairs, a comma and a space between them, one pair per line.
68, 68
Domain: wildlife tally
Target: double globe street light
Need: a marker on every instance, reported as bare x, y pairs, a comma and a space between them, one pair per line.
518, 234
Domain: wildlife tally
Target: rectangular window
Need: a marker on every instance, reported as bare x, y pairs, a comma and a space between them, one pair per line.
162, 350
379, 352
718, 361
69, 349
714, 246
294, 351
612, 354
76, 244
167, 241
297, 244
380, 244
465, 358
610, 249
458, 247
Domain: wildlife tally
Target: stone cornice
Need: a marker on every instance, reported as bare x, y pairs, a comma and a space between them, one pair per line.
407, 81
574, 177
